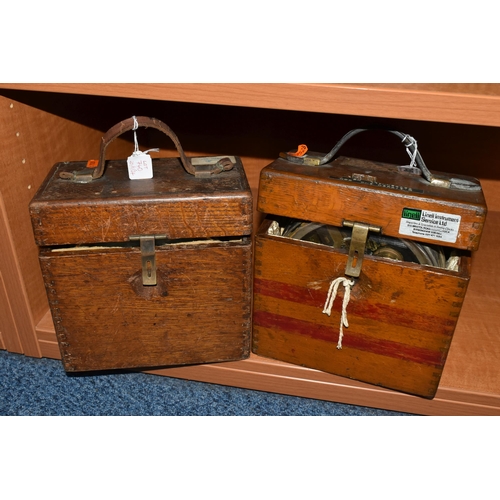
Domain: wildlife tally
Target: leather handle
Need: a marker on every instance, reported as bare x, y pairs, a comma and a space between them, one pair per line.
411, 146
406, 139
130, 124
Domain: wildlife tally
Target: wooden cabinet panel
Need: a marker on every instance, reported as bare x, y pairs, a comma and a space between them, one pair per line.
17, 327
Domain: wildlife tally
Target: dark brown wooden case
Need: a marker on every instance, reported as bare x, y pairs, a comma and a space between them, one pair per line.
401, 315
151, 272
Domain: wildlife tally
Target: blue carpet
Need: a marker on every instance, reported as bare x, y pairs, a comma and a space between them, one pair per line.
40, 387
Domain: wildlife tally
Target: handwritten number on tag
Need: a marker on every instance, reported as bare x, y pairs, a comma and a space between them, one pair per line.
139, 166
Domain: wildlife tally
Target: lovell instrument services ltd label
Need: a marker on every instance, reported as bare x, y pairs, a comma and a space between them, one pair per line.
437, 226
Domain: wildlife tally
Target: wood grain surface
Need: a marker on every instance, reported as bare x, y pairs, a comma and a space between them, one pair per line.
401, 315
113, 208
328, 196
451, 103
105, 318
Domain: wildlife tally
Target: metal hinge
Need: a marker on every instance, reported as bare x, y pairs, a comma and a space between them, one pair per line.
357, 248
148, 256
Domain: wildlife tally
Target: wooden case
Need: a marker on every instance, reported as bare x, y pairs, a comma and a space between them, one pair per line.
400, 315
151, 272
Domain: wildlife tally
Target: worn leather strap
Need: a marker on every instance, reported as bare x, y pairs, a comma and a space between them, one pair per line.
406, 139
421, 169
129, 124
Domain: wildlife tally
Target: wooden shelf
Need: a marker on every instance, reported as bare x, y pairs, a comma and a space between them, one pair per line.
476, 104
471, 380
268, 375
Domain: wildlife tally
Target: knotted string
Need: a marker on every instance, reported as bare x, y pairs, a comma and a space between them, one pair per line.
409, 141
136, 144
332, 293
136, 126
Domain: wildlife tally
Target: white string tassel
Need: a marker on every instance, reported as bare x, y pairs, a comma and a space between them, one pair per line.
411, 142
136, 126
136, 144
332, 293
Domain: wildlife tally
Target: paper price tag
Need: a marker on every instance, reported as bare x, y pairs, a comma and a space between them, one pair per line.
140, 166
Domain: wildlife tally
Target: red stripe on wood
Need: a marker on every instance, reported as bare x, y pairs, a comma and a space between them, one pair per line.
351, 339
378, 312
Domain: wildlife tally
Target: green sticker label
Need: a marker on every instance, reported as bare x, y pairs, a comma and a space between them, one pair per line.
411, 213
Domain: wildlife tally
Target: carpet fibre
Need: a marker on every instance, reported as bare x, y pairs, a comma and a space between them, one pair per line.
40, 387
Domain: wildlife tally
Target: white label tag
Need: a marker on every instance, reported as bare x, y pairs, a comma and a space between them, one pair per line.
437, 226
140, 166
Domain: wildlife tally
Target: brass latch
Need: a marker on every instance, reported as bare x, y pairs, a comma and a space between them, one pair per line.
357, 247
148, 257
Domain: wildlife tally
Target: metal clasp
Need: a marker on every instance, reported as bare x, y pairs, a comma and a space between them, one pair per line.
357, 248
148, 256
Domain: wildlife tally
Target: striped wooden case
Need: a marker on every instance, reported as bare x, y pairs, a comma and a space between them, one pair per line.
401, 315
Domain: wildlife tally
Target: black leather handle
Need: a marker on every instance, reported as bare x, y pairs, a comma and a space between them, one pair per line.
408, 141
411, 145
